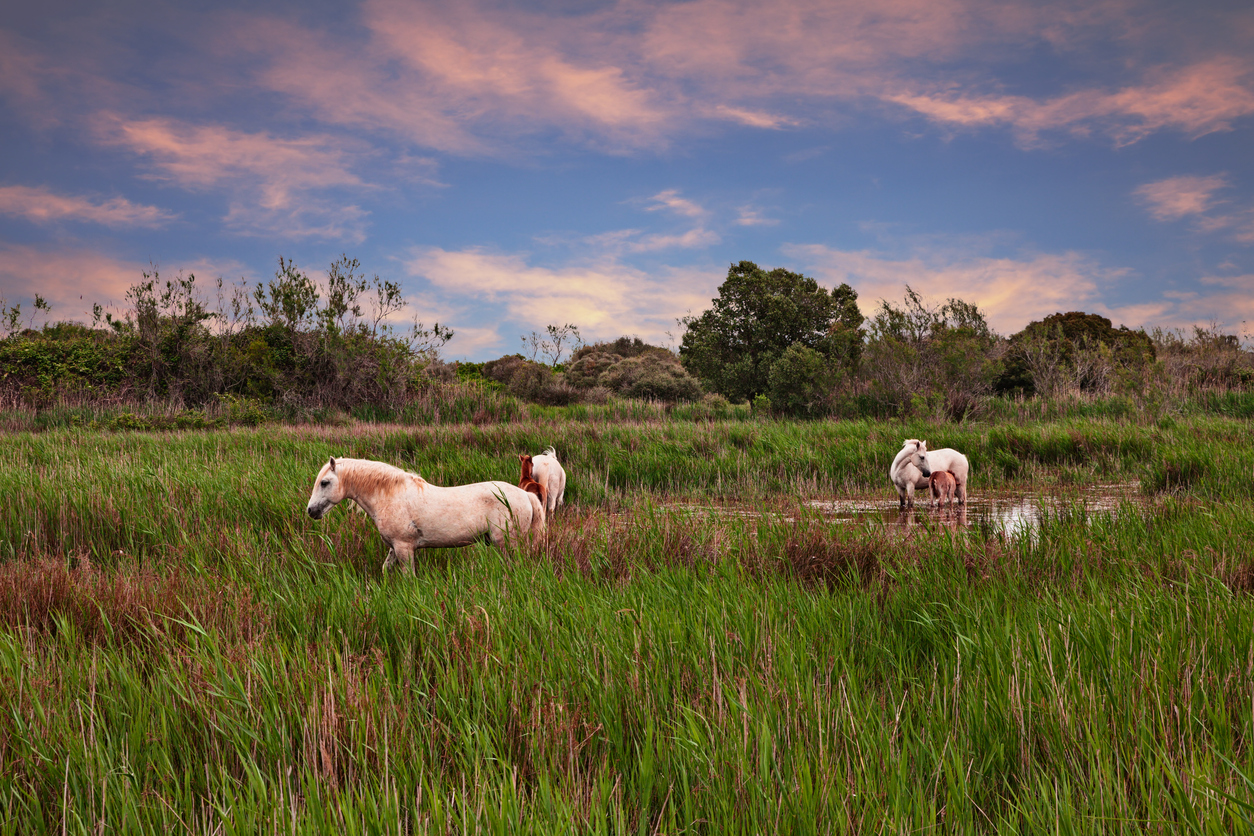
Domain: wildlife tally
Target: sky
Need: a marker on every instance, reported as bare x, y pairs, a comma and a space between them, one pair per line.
515, 165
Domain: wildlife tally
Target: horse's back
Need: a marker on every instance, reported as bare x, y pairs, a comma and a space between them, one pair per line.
949, 459
537, 514
548, 471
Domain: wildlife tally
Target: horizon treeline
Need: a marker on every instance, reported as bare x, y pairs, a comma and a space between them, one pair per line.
775, 340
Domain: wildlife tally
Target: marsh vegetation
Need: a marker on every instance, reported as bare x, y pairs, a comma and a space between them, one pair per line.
182, 648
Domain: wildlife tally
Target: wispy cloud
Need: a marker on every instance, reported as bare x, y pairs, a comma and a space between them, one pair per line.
1011, 291
1195, 100
202, 156
277, 181
1015, 291
41, 205
1178, 197
1194, 196
755, 118
20, 69
475, 77
480, 78
462, 79
72, 279
752, 216
605, 298
670, 199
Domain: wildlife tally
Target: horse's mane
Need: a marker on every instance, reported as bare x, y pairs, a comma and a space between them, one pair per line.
363, 476
906, 446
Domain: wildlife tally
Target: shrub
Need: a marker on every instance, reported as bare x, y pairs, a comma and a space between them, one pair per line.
801, 382
527, 380
712, 405
656, 374
587, 368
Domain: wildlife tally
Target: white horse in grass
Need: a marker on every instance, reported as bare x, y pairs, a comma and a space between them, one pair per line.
913, 467
411, 513
546, 470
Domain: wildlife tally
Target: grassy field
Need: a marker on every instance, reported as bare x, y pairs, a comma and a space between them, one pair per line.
182, 648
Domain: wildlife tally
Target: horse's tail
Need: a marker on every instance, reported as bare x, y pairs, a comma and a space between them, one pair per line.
537, 514
549, 451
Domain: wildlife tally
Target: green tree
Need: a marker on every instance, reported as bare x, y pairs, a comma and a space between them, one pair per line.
756, 317
1073, 351
926, 359
801, 381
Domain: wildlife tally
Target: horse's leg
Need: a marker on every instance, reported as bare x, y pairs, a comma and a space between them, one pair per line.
962, 492
910, 494
404, 556
389, 561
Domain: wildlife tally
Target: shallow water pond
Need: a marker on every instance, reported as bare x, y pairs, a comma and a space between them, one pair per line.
1012, 512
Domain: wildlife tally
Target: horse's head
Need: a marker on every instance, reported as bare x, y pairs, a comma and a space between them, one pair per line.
526, 466
919, 459
327, 491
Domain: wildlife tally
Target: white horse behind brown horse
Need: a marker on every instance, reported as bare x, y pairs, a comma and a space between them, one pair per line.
548, 471
411, 513
913, 466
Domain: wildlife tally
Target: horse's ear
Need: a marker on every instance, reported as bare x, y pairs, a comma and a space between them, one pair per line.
333, 464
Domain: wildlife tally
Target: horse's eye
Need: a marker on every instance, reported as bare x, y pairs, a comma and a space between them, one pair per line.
326, 483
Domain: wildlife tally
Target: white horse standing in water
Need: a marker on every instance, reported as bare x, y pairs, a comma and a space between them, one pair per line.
913, 466
548, 471
411, 513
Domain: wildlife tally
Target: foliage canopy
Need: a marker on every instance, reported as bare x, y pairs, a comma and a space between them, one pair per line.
754, 320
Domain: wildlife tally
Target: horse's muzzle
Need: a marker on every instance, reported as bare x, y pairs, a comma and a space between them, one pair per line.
314, 512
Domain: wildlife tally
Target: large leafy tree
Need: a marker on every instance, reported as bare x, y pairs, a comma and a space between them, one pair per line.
1063, 346
756, 317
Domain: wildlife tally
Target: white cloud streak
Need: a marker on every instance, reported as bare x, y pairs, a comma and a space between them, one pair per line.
42, 205
605, 298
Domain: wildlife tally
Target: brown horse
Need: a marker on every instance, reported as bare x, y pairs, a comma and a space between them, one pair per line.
943, 484
528, 482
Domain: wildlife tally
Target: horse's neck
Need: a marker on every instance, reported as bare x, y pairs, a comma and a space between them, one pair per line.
356, 479
904, 452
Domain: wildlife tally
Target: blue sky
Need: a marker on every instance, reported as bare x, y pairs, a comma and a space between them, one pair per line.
516, 165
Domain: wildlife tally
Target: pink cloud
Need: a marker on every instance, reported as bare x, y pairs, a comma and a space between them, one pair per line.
755, 118
752, 216
1227, 301
1196, 100
1190, 195
71, 279
1015, 291
1177, 197
1010, 291
21, 69
202, 156
670, 199
475, 78
41, 205
605, 298
457, 78
275, 180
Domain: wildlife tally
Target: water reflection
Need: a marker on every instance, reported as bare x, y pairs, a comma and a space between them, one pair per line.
1010, 514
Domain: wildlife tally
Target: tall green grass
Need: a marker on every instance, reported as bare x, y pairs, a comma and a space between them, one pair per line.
182, 648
